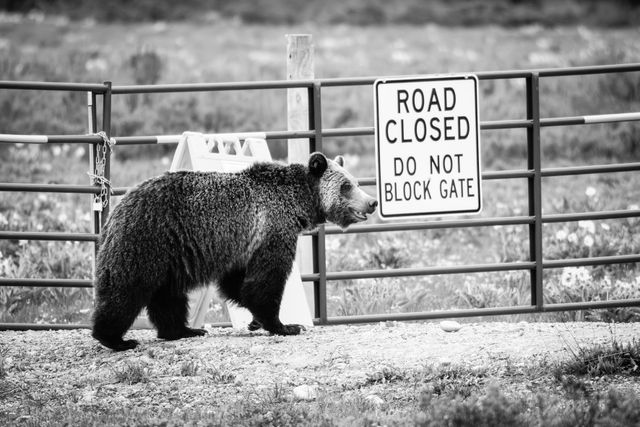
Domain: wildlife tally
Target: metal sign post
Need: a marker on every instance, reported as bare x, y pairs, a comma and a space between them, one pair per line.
427, 146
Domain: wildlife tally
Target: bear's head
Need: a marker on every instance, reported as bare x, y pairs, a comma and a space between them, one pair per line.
341, 199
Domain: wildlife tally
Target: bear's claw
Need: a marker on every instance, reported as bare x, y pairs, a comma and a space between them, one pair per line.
289, 330
254, 325
185, 333
118, 345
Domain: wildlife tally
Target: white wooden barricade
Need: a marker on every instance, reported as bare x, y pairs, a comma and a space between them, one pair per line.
226, 153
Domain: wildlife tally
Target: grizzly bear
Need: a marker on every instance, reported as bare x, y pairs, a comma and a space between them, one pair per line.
186, 229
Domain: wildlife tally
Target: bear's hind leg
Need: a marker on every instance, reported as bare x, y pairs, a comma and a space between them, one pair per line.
168, 312
111, 322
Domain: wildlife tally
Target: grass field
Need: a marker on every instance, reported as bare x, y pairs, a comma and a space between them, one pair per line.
55, 50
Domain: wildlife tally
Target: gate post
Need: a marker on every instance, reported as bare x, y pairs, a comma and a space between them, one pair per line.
535, 188
300, 66
95, 216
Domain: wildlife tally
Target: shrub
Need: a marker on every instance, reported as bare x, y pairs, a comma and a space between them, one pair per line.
490, 409
132, 372
614, 359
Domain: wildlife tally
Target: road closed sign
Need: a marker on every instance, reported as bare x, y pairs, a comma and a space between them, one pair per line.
427, 146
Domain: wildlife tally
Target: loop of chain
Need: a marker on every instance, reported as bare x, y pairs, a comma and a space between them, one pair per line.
98, 177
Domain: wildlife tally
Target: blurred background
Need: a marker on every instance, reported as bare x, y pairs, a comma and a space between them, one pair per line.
194, 41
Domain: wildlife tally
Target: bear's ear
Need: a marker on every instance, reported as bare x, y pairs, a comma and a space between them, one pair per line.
317, 164
339, 160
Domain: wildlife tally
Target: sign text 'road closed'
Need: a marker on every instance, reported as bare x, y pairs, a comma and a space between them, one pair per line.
427, 146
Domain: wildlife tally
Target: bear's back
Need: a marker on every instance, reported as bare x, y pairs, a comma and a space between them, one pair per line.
188, 218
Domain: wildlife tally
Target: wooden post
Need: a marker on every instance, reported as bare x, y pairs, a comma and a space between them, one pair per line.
300, 65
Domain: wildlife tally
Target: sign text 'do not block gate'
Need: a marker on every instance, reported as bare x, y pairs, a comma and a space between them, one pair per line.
427, 146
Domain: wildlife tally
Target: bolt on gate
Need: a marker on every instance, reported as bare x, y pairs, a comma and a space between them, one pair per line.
100, 143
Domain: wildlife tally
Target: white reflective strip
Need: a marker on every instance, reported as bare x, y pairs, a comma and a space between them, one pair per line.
168, 139
241, 136
172, 139
604, 118
24, 139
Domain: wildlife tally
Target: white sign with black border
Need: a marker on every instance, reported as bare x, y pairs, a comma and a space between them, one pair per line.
427, 133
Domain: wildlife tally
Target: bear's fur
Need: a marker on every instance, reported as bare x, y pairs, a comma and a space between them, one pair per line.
185, 229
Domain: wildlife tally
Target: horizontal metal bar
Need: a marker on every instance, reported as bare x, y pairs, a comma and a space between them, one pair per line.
474, 268
478, 312
428, 225
174, 139
49, 188
506, 124
427, 315
356, 131
74, 139
424, 271
366, 131
590, 119
212, 87
49, 139
478, 222
375, 318
582, 170
585, 216
119, 191
370, 180
22, 85
48, 283
589, 69
579, 262
591, 305
28, 235
506, 174
503, 74
549, 172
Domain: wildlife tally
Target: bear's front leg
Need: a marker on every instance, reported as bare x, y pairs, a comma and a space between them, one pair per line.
262, 294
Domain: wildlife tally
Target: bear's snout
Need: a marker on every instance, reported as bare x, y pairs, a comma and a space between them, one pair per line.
372, 205
362, 205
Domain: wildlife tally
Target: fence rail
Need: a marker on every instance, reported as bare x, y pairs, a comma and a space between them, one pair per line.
533, 174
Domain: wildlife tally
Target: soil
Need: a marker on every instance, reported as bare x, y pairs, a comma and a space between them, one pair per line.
227, 365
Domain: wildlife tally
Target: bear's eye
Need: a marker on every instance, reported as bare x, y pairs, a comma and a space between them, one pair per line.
345, 187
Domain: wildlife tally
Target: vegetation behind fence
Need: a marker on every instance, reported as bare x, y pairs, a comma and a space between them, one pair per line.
342, 107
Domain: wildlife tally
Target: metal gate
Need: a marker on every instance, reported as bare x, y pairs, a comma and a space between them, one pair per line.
534, 172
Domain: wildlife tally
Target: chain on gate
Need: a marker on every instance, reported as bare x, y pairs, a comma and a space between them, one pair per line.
101, 200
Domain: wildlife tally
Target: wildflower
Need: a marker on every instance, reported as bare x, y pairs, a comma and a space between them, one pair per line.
561, 234
56, 150
3, 220
587, 225
590, 192
79, 152
572, 238
574, 276
588, 241
605, 227
23, 242
633, 207
62, 217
